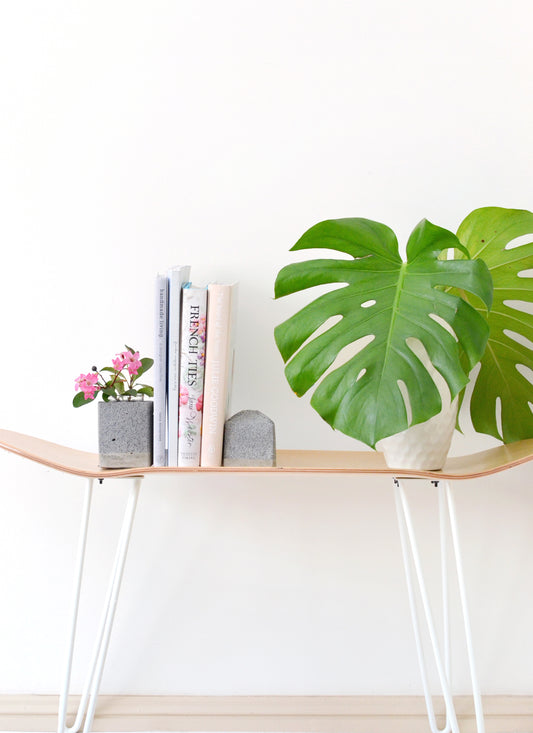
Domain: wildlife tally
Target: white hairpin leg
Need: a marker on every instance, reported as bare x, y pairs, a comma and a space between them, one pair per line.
411, 558
80, 558
476, 693
89, 697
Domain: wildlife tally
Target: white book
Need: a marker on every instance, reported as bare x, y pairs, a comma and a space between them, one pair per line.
177, 278
221, 308
193, 335
160, 371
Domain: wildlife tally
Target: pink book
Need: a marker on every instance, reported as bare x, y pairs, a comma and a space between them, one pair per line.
221, 300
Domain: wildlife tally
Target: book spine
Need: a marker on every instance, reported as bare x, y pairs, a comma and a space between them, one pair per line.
218, 367
177, 277
193, 336
160, 371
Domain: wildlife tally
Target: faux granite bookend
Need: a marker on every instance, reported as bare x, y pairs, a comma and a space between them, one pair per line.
249, 440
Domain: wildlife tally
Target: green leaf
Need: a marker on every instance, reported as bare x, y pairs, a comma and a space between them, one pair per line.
485, 233
109, 391
79, 400
130, 349
130, 393
105, 397
383, 303
146, 364
149, 391
109, 369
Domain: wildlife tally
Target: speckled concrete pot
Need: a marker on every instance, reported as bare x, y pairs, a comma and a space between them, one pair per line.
125, 433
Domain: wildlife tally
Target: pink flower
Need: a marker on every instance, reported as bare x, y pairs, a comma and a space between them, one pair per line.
200, 403
118, 363
134, 366
86, 380
87, 383
130, 361
184, 395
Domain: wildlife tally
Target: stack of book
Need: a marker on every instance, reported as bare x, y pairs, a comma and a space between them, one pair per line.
193, 369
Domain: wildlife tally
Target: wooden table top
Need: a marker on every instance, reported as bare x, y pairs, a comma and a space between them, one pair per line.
82, 463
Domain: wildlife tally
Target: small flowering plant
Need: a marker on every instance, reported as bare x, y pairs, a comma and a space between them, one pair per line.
119, 383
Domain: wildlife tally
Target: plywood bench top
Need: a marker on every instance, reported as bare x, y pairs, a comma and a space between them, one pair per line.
82, 463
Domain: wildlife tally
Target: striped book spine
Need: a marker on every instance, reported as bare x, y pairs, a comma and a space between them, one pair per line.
160, 371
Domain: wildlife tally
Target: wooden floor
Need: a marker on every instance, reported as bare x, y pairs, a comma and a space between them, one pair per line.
276, 713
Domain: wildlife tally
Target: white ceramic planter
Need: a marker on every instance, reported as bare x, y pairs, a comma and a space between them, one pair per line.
424, 446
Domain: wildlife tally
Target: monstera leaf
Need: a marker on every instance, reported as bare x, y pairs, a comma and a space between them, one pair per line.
508, 357
388, 301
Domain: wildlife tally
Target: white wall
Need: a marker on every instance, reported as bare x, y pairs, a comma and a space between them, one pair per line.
135, 136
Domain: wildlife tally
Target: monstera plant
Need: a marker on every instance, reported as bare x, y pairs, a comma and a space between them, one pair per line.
387, 305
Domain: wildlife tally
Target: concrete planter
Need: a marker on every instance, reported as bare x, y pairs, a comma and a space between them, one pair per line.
125, 433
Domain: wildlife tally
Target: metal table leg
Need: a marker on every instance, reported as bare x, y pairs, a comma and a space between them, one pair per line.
89, 697
411, 558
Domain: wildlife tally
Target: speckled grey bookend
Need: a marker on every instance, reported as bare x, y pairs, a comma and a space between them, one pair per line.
125, 433
249, 440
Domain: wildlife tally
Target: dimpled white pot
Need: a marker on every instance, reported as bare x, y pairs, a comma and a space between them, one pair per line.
423, 446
